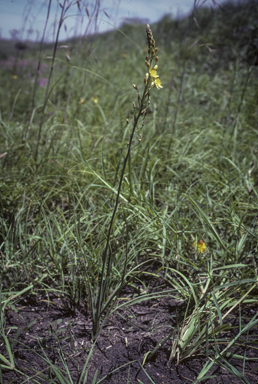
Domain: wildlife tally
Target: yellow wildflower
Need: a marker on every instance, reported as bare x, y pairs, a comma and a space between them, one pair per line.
82, 101
95, 99
158, 83
200, 246
153, 73
152, 78
15, 77
155, 77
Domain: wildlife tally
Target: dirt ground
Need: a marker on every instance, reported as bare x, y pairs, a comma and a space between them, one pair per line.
46, 325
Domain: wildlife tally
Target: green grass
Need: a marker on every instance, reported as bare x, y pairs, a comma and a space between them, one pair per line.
193, 174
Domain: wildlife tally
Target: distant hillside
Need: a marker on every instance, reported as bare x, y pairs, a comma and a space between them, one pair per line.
230, 29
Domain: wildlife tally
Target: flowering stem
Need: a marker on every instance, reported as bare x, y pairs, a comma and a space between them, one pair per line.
151, 79
107, 256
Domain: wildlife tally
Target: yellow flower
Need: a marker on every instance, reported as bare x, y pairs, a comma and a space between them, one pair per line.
155, 78
82, 101
201, 246
95, 99
158, 83
15, 77
153, 73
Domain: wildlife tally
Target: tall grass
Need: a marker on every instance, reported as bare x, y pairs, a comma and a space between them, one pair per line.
89, 197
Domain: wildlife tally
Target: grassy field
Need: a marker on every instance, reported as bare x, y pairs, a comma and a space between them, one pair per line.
97, 184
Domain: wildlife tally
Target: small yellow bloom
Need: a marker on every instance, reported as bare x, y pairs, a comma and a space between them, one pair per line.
153, 73
95, 99
155, 77
158, 83
82, 101
201, 246
15, 77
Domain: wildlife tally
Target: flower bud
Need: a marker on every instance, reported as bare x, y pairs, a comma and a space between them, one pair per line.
155, 67
156, 59
68, 58
149, 35
135, 86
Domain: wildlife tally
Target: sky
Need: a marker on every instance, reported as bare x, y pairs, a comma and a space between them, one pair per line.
25, 19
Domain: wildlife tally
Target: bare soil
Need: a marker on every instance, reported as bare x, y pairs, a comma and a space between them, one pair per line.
40, 328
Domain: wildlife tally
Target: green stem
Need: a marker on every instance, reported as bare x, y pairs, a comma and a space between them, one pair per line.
108, 259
